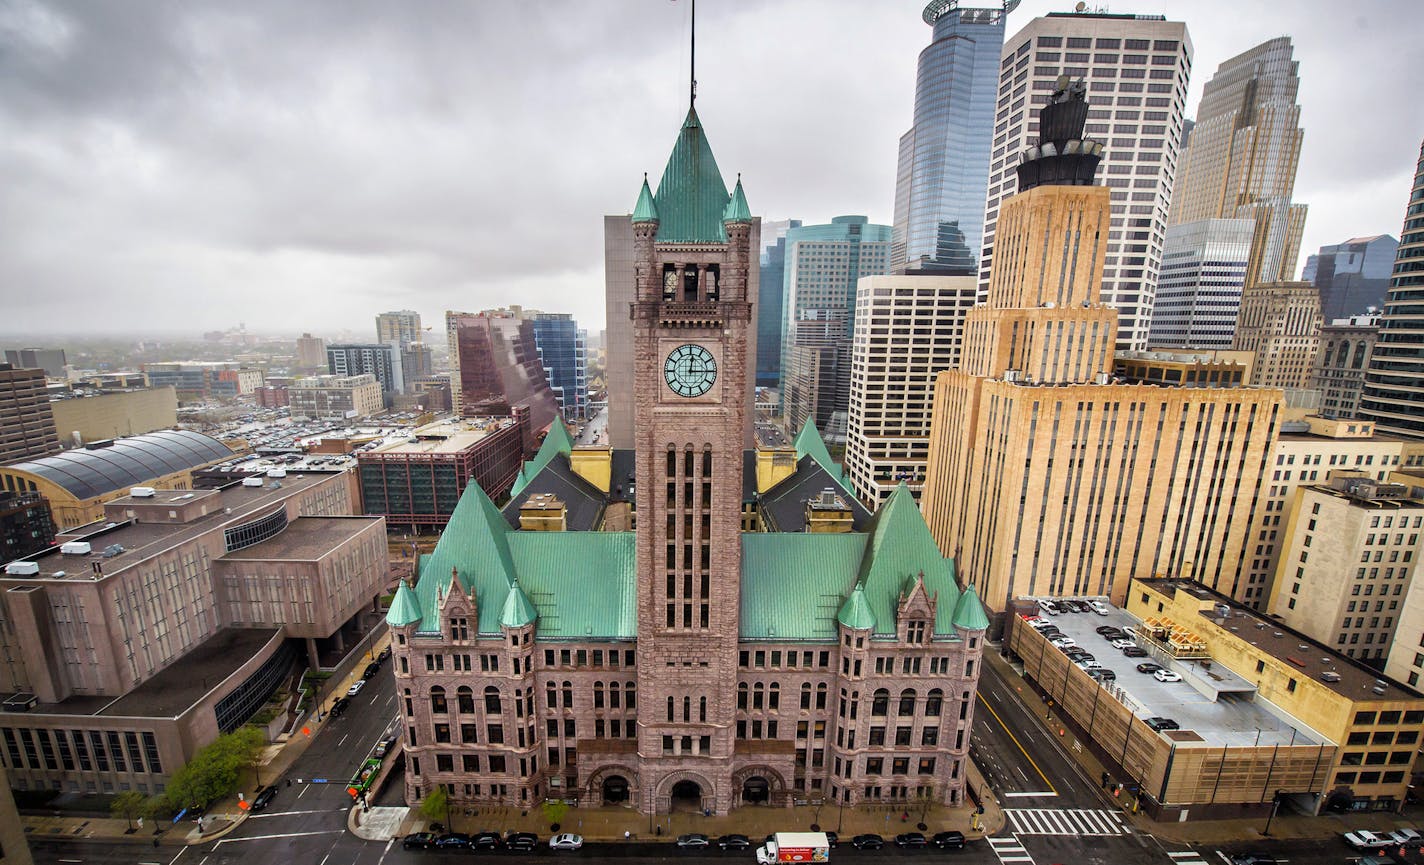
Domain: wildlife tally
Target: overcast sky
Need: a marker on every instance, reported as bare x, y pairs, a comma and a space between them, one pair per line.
183, 166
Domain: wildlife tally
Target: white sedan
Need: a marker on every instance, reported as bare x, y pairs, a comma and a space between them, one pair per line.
566, 841
1123, 643
1166, 676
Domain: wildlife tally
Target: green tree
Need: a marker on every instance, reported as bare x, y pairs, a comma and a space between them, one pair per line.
214, 772
554, 811
128, 804
436, 805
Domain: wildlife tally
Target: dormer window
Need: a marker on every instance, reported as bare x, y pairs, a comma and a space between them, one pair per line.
915, 633
459, 628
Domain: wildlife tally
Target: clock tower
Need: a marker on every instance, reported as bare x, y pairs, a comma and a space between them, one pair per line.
692, 325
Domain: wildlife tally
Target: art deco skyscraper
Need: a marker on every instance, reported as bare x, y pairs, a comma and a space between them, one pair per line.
944, 158
1136, 67
1242, 158
1394, 384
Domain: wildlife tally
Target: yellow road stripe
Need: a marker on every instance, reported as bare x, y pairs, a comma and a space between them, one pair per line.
1017, 743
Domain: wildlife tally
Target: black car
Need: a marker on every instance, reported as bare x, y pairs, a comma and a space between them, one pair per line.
1113, 635
869, 841
1159, 724
383, 654
452, 841
521, 842
486, 841
948, 840
832, 839
338, 708
418, 841
1104, 675
910, 839
1081, 606
1135, 652
734, 842
1148, 667
263, 798
371, 670
1103, 629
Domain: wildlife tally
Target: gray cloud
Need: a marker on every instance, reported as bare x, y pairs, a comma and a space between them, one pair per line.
301, 166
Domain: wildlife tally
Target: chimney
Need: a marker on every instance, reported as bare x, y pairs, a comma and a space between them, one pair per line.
828, 512
543, 512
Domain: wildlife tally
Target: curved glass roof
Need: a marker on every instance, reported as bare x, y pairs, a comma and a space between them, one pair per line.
135, 460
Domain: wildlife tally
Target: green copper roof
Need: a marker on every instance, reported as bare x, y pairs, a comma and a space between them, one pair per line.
405, 609
855, 612
556, 441
969, 613
793, 583
737, 210
646, 210
899, 549
809, 444
517, 611
691, 196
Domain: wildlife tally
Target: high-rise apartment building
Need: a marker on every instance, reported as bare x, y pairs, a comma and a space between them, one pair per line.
335, 396
311, 352
1339, 375
771, 310
1353, 277
380, 360
417, 363
51, 360
907, 330
1394, 384
1245, 147
1199, 287
1136, 68
943, 167
563, 349
401, 327
822, 267
1279, 324
1044, 477
26, 422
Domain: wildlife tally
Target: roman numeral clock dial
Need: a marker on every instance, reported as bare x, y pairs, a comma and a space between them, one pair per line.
690, 370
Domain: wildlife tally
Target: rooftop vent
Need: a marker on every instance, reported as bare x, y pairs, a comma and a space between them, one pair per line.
1330, 676
1277, 634
113, 550
1377, 689
252, 482
1304, 647
142, 492
22, 569
75, 548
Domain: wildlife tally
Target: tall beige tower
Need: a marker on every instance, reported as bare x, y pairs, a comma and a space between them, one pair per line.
1241, 159
1045, 477
1280, 325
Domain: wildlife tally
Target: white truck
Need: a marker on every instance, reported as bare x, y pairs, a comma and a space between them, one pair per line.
795, 847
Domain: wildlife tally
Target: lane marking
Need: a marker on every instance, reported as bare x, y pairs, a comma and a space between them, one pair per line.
1018, 744
1026, 795
284, 835
287, 813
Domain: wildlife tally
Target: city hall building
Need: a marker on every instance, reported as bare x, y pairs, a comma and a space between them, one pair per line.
695, 623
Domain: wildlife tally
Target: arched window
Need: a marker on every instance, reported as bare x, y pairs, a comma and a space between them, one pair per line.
598, 695
805, 695
880, 702
773, 701
492, 700
466, 698
702, 710
933, 701
552, 693
613, 695
907, 701
630, 695
758, 696
568, 695
742, 695
1360, 352
686, 709
437, 700
821, 696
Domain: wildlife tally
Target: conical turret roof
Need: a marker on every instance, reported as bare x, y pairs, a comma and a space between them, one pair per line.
517, 611
855, 613
737, 210
646, 209
969, 613
405, 608
692, 196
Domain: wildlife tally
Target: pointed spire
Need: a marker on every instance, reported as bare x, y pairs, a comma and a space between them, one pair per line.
969, 613
405, 607
809, 444
517, 611
646, 210
855, 613
737, 210
691, 196
556, 441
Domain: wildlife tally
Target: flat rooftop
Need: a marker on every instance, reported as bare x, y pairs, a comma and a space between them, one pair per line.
305, 539
445, 437
1234, 718
178, 686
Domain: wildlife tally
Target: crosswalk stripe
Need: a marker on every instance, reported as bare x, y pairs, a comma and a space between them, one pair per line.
1010, 851
1186, 857
1058, 821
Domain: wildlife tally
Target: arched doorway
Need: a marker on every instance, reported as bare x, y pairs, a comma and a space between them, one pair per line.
686, 796
756, 791
615, 790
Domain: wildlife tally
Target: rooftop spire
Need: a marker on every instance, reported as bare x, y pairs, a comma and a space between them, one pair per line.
692, 70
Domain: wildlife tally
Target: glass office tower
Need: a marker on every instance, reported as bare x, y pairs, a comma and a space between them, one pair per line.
943, 172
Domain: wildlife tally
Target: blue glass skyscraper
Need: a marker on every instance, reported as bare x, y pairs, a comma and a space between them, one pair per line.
563, 351
770, 313
943, 173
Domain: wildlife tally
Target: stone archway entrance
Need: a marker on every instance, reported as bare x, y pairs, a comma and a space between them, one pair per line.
615, 790
756, 791
687, 796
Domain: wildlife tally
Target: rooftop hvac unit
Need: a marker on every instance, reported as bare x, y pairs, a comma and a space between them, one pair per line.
141, 492
22, 569
276, 473
75, 548
252, 482
1330, 676
113, 550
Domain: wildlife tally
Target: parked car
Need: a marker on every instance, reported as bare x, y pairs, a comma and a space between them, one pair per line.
521, 842
385, 746
383, 654
486, 841
1088, 663
1123, 643
1103, 675
356, 687
868, 841
692, 839
1166, 676
833, 839
1113, 634
371, 670
1148, 667
910, 839
264, 798
1100, 608
452, 841
734, 842
952, 840
1048, 607
1159, 724
1365, 840
566, 841
338, 707
1407, 837
1135, 652
1104, 629
418, 841
1063, 642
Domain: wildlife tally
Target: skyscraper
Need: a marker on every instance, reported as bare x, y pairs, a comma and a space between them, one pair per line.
822, 267
1136, 67
382, 360
771, 311
497, 366
1394, 384
51, 360
944, 159
618, 282
1199, 288
1345, 347
26, 422
311, 352
563, 350
1245, 147
1280, 325
401, 327
1353, 276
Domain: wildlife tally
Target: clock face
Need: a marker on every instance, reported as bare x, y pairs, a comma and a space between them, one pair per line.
690, 370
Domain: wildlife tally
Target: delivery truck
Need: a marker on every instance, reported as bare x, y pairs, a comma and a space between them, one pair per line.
795, 847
